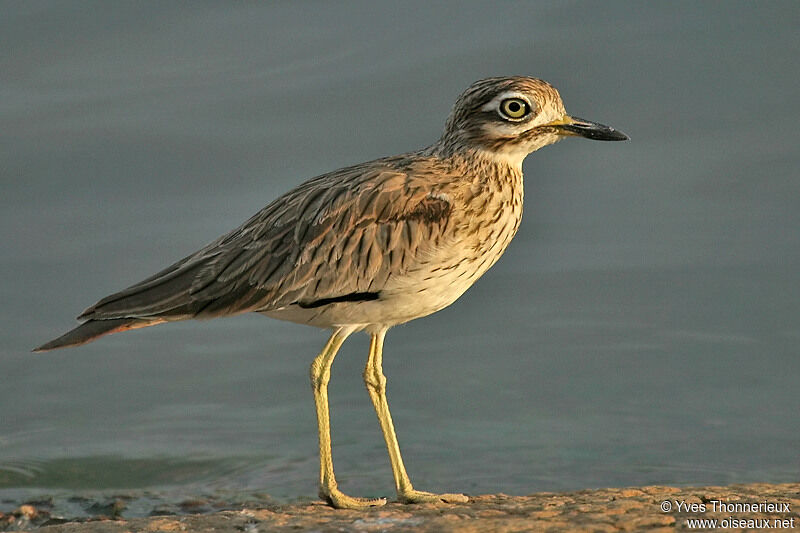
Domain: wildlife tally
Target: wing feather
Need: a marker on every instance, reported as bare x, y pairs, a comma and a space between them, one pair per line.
340, 233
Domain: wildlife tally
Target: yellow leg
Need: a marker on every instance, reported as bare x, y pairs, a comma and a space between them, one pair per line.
376, 386
320, 376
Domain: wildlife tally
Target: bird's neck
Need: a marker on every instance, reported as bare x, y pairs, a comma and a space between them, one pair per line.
503, 160
481, 162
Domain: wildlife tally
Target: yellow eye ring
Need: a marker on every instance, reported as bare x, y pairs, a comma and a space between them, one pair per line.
514, 108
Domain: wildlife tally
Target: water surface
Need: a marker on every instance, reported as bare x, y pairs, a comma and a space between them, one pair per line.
641, 329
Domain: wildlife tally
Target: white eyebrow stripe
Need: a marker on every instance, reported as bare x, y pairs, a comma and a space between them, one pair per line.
494, 104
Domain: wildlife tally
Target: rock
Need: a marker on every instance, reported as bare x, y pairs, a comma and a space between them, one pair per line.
605, 510
28, 511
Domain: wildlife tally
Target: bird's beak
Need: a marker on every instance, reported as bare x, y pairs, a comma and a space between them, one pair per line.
584, 128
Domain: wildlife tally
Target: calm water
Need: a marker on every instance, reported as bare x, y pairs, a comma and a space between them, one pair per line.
642, 328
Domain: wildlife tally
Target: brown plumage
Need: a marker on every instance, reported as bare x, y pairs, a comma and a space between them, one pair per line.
366, 247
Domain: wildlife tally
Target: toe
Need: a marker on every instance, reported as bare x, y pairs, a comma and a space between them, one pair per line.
454, 498
340, 500
418, 496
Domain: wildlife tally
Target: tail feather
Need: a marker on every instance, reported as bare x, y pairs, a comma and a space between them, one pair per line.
93, 329
156, 295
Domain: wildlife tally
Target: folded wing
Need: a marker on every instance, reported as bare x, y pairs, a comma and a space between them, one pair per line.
340, 234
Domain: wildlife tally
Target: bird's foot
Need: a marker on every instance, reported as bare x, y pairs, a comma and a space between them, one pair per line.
340, 500
419, 496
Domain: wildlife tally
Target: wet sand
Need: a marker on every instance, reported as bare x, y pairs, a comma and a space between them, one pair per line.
629, 509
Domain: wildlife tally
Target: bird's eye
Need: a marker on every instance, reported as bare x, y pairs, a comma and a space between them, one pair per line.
514, 108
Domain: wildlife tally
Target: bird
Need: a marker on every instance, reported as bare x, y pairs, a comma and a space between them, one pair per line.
365, 248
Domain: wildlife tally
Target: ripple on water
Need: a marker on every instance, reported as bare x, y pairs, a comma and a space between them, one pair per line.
128, 487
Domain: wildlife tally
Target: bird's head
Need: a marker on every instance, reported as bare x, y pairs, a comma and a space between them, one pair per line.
508, 118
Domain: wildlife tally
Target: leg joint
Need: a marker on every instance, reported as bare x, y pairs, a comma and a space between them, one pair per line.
319, 379
375, 381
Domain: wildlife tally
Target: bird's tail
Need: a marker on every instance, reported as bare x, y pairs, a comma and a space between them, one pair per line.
93, 329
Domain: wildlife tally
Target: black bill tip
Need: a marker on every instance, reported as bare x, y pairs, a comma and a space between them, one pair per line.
592, 130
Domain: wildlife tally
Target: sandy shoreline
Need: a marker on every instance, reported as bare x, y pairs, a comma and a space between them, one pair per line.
631, 509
